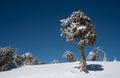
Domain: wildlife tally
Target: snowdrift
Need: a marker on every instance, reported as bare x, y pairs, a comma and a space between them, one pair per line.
66, 70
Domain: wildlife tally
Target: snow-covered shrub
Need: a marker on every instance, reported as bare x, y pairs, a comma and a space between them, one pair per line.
93, 56
26, 59
69, 56
9, 59
7, 55
101, 52
18, 61
55, 61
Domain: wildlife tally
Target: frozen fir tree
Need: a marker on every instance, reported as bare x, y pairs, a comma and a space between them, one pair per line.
7, 55
79, 27
69, 56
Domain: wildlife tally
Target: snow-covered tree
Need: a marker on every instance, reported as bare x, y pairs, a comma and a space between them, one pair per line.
69, 56
9, 59
79, 27
26, 59
18, 61
100, 50
7, 54
55, 61
93, 56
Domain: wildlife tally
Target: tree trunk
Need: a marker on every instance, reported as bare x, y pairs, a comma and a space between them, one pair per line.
83, 60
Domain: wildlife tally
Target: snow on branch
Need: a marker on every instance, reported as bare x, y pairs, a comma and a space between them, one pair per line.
78, 27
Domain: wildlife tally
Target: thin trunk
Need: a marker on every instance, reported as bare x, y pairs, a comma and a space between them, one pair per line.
83, 59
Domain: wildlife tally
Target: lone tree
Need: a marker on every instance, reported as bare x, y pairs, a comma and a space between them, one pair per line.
79, 27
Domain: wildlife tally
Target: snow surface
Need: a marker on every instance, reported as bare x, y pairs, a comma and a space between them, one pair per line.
66, 70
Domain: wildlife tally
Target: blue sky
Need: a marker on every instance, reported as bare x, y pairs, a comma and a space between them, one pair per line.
33, 26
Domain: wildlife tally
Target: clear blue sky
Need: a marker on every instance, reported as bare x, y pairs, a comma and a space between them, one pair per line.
33, 26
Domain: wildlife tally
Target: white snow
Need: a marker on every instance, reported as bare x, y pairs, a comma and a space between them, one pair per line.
81, 27
66, 70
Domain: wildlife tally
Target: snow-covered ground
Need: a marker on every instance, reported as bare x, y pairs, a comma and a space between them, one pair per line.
66, 70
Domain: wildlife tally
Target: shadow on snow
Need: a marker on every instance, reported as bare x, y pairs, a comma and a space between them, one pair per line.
92, 67
95, 67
